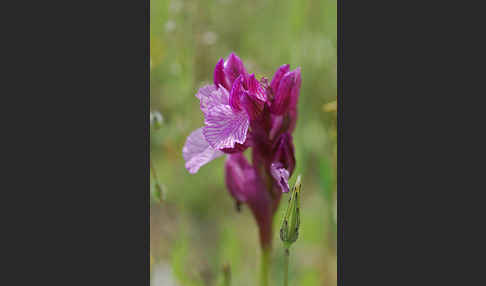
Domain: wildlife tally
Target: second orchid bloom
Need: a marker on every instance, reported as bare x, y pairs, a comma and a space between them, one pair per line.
242, 112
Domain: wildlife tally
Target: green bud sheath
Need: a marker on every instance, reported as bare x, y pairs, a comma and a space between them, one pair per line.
289, 230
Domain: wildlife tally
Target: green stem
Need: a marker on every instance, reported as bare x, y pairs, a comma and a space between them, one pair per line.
286, 267
265, 267
227, 275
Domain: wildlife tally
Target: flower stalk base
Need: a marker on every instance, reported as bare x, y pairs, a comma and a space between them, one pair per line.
265, 266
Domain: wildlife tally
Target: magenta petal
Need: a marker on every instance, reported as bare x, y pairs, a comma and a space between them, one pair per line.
224, 128
283, 152
233, 68
256, 89
281, 176
236, 93
294, 98
246, 186
277, 121
219, 75
252, 105
278, 76
292, 119
238, 172
287, 93
210, 96
281, 101
295, 91
197, 152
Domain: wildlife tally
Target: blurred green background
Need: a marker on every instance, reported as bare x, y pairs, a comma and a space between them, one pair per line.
195, 229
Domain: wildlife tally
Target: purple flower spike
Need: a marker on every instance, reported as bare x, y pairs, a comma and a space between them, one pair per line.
287, 92
241, 112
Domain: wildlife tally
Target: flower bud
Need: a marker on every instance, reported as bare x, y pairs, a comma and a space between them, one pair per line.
252, 105
249, 95
278, 76
255, 88
289, 230
219, 76
233, 68
287, 93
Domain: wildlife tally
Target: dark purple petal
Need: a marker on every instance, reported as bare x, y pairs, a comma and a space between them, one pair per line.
294, 98
294, 93
238, 172
197, 152
236, 94
252, 106
277, 123
237, 149
292, 115
224, 127
256, 89
281, 176
282, 99
252, 98
219, 75
283, 152
233, 68
278, 76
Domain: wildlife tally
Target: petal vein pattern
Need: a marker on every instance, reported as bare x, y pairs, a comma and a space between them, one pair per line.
224, 127
210, 96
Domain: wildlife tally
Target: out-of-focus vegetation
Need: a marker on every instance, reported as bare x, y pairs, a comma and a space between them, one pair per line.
195, 230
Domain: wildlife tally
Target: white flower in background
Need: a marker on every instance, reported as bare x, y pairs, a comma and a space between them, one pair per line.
209, 38
170, 26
